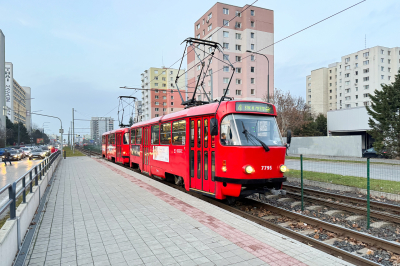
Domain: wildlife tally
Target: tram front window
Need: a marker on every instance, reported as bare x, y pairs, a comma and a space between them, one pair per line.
263, 127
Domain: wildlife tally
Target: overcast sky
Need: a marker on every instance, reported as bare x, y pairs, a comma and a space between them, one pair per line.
76, 54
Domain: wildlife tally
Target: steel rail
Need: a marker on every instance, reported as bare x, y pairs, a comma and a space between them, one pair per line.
327, 248
373, 203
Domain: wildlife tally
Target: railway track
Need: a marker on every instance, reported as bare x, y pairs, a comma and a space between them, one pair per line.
368, 240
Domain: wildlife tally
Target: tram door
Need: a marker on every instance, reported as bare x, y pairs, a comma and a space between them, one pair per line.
146, 149
202, 154
119, 146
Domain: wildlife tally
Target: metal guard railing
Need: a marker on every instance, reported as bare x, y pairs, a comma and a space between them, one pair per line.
36, 173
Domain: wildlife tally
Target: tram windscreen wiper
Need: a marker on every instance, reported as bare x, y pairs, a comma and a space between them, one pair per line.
247, 134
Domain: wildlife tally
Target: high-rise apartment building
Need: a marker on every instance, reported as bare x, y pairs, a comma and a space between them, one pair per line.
17, 99
99, 125
348, 83
28, 95
159, 94
2, 84
237, 29
138, 111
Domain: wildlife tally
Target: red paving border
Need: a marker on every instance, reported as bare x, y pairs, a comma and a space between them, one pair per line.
264, 252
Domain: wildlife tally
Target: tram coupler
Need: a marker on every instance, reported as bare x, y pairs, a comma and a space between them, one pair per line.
278, 192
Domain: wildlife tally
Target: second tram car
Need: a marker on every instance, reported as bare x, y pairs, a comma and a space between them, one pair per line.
229, 150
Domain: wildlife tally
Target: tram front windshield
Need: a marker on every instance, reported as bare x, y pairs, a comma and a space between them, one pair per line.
262, 127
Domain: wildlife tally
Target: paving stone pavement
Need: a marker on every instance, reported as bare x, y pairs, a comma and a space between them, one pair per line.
99, 213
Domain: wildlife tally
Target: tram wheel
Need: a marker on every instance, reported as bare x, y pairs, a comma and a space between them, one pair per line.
230, 200
178, 181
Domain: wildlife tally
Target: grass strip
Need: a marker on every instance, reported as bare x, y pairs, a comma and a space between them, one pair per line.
350, 181
71, 154
337, 161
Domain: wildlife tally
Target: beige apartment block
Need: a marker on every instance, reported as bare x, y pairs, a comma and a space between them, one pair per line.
350, 82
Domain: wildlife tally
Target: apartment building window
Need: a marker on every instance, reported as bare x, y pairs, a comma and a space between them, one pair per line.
330, 97
340, 80
157, 103
226, 57
210, 16
330, 91
252, 57
347, 75
226, 45
252, 35
347, 98
356, 96
356, 88
382, 76
366, 78
226, 69
225, 11
366, 70
198, 36
172, 97
199, 97
252, 69
388, 52
238, 25
366, 103
238, 36
309, 84
156, 115
238, 47
340, 94
347, 90
309, 96
382, 51
225, 22
225, 80
252, 91
388, 77
209, 83
238, 92
366, 62
309, 90
156, 109
347, 83
163, 79
388, 61
156, 91
389, 69
252, 46
156, 84
238, 14
252, 13
366, 54
347, 67
347, 60
224, 90
164, 97
226, 34
330, 71
348, 105
356, 73
366, 87
238, 58
164, 85
238, 81
309, 102
366, 95
164, 91
356, 65
252, 24
382, 68
172, 109
156, 97
238, 70
382, 60
252, 81
309, 78
209, 27
172, 103
164, 104
356, 56
330, 84
156, 78
198, 26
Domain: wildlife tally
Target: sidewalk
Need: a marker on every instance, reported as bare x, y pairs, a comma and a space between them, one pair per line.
99, 213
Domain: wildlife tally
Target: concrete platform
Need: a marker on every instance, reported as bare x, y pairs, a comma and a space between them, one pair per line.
99, 213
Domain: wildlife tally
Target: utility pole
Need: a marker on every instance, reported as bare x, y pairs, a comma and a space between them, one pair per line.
73, 132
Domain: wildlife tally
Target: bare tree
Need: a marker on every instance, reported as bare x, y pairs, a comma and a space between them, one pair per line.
291, 110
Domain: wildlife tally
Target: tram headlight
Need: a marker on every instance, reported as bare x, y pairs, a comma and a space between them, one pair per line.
249, 169
224, 166
224, 169
283, 168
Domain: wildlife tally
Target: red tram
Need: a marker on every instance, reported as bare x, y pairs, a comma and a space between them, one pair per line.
229, 151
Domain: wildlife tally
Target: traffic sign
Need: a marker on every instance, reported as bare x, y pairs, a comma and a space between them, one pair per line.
61, 131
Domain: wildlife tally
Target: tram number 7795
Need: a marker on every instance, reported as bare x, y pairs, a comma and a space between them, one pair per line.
266, 167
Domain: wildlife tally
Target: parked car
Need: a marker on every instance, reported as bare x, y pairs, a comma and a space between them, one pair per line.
21, 151
2, 150
15, 155
37, 153
27, 151
371, 153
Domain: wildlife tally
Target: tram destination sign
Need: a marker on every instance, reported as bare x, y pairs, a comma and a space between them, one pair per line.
254, 107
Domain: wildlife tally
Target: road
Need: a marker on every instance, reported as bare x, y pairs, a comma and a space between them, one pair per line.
377, 171
8, 174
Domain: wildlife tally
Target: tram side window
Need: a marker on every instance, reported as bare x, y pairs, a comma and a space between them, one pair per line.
155, 134
126, 138
133, 136
165, 133
228, 131
192, 133
138, 136
111, 139
179, 132
103, 139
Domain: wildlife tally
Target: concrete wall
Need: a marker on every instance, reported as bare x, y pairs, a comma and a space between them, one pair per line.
329, 146
9, 242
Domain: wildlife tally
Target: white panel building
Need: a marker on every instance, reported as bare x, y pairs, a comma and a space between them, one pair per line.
2, 83
99, 125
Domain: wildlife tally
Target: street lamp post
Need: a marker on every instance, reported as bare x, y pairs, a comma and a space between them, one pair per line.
268, 70
61, 129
